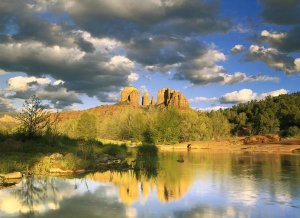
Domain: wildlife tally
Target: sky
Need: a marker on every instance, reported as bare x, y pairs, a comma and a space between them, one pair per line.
76, 54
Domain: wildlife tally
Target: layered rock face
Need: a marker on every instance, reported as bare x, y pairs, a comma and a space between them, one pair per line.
152, 101
168, 97
131, 96
146, 99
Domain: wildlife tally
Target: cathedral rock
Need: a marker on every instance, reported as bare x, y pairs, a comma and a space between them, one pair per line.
166, 97
130, 95
146, 99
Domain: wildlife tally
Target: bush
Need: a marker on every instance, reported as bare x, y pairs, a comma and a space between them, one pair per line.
293, 131
115, 150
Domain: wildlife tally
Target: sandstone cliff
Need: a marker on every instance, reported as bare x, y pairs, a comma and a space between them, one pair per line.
146, 99
131, 96
152, 101
168, 97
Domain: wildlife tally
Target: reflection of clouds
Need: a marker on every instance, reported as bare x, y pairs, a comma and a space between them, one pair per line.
131, 212
56, 191
245, 192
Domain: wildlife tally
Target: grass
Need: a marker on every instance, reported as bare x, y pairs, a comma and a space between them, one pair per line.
18, 155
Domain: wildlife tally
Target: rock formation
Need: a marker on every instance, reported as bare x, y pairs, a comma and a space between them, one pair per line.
131, 96
152, 101
146, 99
168, 97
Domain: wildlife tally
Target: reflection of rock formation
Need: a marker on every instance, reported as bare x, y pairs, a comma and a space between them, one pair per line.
128, 185
146, 99
168, 97
170, 185
131, 96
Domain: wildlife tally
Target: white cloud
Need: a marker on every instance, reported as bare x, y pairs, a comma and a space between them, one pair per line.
274, 59
237, 48
274, 93
58, 82
203, 99
297, 64
273, 35
214, 108
2, 72
133, 77
21, 83
241, 96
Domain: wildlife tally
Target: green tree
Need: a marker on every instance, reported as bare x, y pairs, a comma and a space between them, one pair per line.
86, 126
33, 118
218, 125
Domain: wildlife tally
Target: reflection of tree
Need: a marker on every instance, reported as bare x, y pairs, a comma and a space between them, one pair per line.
34, 191
146, 163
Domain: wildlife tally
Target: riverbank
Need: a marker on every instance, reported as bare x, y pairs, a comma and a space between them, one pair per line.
284, 146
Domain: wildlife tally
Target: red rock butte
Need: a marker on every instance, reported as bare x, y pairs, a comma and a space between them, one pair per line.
166, 97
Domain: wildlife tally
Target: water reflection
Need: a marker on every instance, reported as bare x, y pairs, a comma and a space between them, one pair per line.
204, 185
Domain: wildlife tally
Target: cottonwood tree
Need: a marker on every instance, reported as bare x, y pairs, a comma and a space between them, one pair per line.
34, 118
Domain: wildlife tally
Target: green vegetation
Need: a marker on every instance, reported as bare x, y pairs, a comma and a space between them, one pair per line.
33, 155
146, 163
280, 115
34, 118
26, 142
151, 126
86, 126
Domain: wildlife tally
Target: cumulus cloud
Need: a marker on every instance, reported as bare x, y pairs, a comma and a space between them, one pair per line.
241, 96
237, 49
21, 83
282, 13
213, 108
203, 99
274, 59
5, 104
93, 74
23, 87
133, 77
283, 41
204, 69
174, 17
95, 47
2, 72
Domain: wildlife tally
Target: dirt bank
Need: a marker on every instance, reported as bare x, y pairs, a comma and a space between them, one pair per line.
284, 146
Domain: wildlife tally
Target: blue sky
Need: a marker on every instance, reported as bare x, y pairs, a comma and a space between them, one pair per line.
79, 54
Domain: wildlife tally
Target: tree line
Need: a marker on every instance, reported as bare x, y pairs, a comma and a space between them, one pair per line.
279, 115
276, 115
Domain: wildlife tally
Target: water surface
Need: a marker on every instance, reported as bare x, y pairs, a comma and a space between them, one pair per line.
204, 185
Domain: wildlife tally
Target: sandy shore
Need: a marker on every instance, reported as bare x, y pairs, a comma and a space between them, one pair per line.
285, 146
